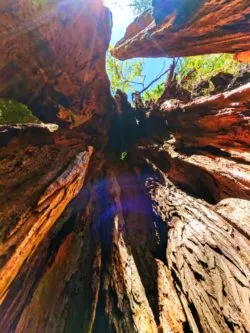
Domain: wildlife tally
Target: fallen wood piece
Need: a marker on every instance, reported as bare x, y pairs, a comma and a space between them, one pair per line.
187, 29
222, 120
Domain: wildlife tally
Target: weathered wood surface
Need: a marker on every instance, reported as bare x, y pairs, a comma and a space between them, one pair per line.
187, 28
53, 57
157, 260
208, 258
208, 173
222, 120
127, 252
90, 243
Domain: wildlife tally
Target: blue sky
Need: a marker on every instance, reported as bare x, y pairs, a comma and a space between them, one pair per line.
122, 17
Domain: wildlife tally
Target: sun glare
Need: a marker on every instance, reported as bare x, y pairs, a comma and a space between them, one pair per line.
119, 8
122, 17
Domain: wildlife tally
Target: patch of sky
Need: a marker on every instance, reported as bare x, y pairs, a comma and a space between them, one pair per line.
122, 16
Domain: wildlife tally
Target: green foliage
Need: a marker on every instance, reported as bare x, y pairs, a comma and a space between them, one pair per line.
206, 66
139, 6
154, 93
124, 155
124, 75
12, 112
201, 68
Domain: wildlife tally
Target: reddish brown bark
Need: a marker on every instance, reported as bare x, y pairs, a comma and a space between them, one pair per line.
187, 28
51, 55
158, 242
208, 173
221, 120
132, 252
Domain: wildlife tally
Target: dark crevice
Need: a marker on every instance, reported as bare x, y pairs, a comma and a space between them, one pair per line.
175, 276
217, 250
189, 151
102, 322
188, 178
229, 324
204, 264
198, 276
186, 327
196, 317
159, 251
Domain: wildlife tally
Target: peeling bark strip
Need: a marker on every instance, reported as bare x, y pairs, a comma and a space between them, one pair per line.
34, 224
187, 28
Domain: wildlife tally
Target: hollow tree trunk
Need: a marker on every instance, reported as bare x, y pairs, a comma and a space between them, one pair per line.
94, 244
158, 242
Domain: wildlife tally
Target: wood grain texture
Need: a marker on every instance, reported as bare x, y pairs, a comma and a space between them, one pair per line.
208, 258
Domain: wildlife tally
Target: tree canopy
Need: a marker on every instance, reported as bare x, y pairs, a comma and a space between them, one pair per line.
128, 75
203, 67
124, 75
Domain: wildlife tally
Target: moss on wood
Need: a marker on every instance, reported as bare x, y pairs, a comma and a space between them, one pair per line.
12, 112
